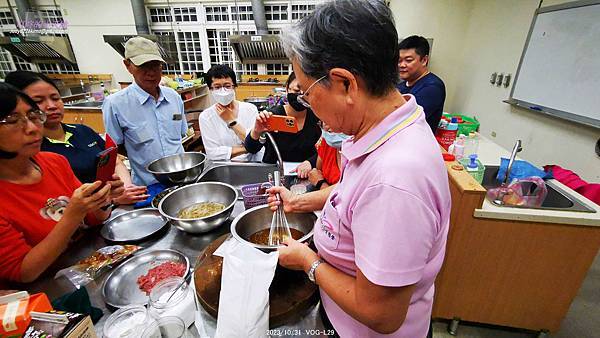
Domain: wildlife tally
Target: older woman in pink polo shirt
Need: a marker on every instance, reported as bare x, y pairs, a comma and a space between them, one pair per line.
381, 236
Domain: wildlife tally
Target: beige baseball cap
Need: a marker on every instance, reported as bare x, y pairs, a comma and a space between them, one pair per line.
141, 50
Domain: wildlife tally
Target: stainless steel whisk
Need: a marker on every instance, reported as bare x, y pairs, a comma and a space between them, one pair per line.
280, 230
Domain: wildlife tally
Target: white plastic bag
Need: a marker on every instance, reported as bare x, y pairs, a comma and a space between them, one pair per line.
244, 299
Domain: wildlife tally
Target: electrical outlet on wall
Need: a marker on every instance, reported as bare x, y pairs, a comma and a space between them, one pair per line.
493, 134
507, 80
499, 79
493, 77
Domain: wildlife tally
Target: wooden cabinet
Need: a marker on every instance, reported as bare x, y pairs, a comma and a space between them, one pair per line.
510, 273
90, 117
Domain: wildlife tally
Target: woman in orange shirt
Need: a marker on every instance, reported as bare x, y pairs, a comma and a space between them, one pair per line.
42, 202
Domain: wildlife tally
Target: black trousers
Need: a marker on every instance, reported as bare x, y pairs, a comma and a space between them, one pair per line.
329, 327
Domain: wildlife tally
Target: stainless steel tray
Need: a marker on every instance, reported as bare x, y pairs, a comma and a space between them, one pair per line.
121, 289
133, 225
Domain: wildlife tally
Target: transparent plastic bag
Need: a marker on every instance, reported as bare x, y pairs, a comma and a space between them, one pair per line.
102, 260
526, 192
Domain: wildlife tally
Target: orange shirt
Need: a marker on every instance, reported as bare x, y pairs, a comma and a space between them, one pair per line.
330, 168
28, 212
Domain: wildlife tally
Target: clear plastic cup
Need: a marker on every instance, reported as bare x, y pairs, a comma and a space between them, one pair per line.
126, 322
165, 327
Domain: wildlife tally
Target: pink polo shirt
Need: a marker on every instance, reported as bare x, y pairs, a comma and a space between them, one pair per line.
389, 217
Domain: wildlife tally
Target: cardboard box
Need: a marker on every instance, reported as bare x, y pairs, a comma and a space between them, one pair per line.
15, 311
59, 324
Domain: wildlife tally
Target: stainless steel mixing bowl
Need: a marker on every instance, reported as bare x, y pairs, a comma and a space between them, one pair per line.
259, 218
191, 194
178, 169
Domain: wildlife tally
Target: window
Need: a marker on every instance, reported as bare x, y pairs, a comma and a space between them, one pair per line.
275, 31
300, 11
53, 16
276, 12
6, 18
245, 13
219, 47
5, 64
191, 53
21, 64
58, 68
160, 14
277, 69
185, 14
248, 69
217, 13
169, 46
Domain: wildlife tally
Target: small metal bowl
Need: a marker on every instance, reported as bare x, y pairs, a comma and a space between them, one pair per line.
156, 200
188, 195
259, 218
178, 169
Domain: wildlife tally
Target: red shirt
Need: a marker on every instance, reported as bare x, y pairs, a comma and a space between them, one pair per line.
329, 168
28, 212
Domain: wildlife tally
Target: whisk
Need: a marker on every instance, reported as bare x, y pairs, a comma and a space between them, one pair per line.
280, 229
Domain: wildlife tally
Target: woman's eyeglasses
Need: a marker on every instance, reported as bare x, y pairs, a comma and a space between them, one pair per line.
301, 97
37, 117
226, 86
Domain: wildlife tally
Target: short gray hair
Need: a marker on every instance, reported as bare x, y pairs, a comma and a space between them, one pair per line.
357, 35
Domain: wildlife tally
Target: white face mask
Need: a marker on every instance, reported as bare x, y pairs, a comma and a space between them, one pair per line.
223, 96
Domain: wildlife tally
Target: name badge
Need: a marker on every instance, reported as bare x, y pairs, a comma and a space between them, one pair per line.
176, 117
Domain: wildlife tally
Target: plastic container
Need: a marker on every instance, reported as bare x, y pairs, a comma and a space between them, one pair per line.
474, 167
166, 327
445, 134
251, 195
472, 144
127, 322
181, 305
466, 124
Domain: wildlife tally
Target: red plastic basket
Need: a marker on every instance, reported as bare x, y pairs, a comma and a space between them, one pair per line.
251, 197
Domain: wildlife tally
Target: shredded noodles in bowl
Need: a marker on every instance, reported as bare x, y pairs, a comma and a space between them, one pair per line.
200, 210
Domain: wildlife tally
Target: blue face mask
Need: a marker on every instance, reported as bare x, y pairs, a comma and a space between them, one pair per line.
334, 139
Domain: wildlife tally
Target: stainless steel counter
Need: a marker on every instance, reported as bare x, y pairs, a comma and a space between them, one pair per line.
172, 238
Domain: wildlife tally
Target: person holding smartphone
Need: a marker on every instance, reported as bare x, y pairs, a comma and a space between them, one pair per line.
294, 147
79, 143
42, 202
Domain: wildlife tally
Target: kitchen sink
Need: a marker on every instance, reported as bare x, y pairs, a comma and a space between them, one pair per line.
557, 198
237, 174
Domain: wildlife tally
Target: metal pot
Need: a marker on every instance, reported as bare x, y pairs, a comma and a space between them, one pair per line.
259, 102
188, 195
259, 218
178, 169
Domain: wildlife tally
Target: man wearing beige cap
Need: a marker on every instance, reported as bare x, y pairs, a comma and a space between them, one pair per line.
146, 118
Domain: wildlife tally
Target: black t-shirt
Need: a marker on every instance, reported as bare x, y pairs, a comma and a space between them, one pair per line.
80, 149
297, 147
430, 94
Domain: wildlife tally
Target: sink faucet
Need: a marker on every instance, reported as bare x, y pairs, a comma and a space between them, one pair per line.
262, 139
517, 148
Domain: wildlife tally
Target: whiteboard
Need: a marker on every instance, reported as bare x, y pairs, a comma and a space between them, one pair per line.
559, 72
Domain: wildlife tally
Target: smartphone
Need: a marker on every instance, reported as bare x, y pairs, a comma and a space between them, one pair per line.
106, 161
286, 124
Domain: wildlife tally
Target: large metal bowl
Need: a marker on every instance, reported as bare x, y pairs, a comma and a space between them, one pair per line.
178, 169
185, 196
259, 218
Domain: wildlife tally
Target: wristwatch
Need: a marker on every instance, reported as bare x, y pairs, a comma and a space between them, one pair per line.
232, 123
320, 183
313, 268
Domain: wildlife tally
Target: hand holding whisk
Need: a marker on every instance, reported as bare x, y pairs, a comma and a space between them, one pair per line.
280, 229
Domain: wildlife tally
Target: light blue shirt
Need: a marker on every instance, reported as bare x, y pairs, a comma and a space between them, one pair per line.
149, 128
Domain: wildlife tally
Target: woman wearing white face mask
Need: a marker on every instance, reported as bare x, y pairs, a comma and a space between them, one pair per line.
327, 171
225, 124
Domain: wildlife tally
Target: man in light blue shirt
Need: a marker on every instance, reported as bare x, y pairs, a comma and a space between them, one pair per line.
146, 118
